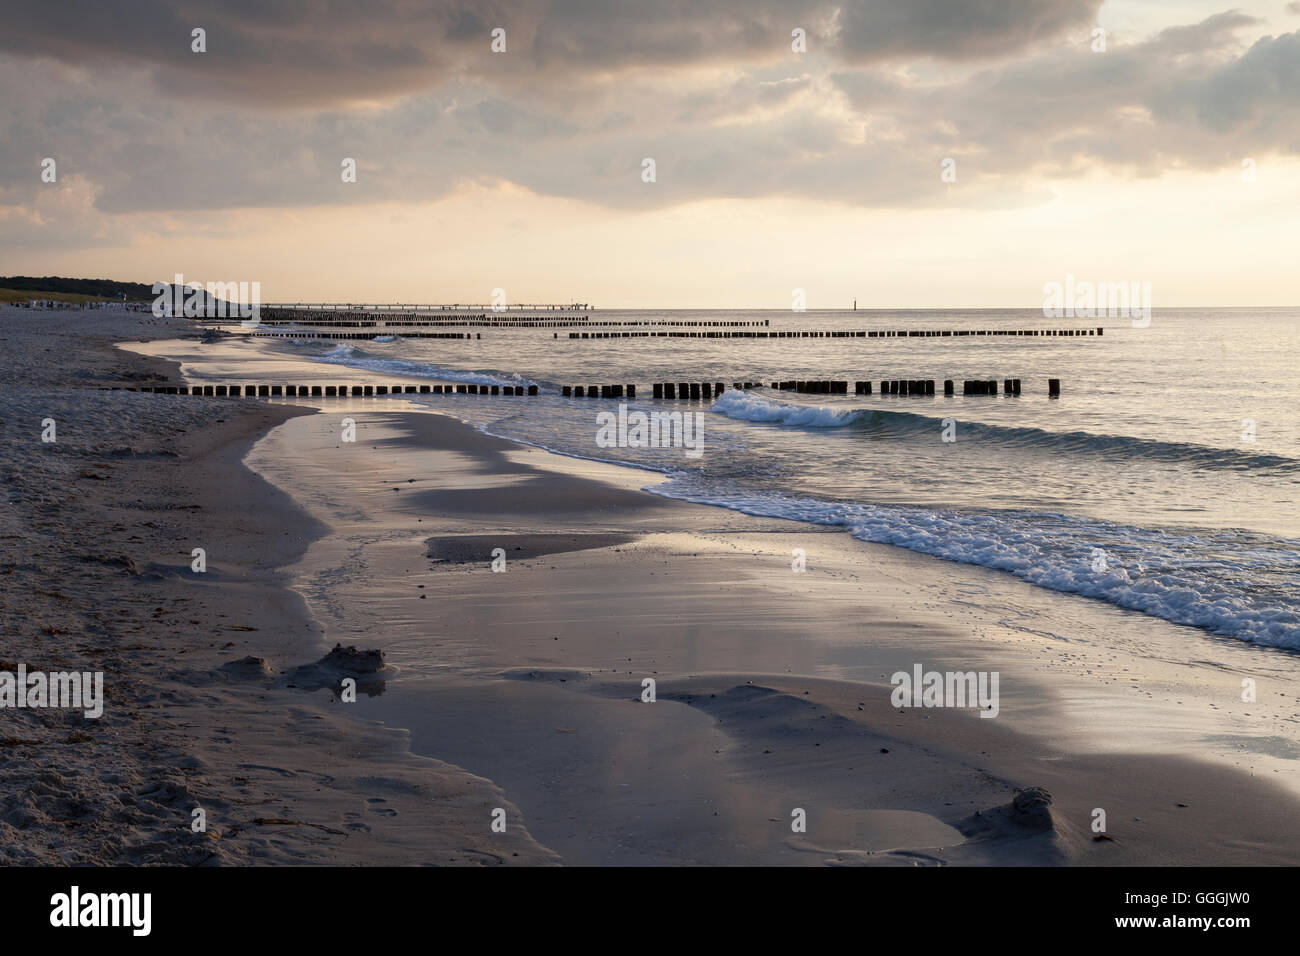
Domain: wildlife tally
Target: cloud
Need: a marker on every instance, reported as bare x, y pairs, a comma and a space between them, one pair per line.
265, 52
298, 54
956, 31
865, 130
1258, 94
1188, 97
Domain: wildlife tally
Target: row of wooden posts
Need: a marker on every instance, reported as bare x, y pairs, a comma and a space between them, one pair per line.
913, 386
354, 319
598, 391
408, 332
313, 334
658, 390
310, 330
328, 391
844, 334
674, 390
694, 390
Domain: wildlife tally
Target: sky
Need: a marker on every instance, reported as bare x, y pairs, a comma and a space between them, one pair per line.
909, 153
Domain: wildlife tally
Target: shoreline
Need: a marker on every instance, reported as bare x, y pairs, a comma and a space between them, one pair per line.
511, 680
520, 691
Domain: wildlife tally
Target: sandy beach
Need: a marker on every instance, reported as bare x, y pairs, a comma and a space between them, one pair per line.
99, 528
523, 689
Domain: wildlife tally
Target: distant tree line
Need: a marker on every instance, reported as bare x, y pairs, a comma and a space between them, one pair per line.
108, 288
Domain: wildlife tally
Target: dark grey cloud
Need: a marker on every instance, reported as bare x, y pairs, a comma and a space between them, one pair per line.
260, 52
312, 53
979, 29
1209, 34
1257, 94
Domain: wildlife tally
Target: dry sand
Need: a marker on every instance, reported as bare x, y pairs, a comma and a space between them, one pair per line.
98, 529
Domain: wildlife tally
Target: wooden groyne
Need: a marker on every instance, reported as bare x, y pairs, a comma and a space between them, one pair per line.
273, 319
314, 334
435, 318
327, 391
846, 334
659, 390
416, 308
674, 390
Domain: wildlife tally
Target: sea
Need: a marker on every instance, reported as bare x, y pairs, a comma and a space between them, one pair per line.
1164, 479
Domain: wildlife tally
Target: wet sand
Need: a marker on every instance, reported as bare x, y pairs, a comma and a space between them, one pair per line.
772, 687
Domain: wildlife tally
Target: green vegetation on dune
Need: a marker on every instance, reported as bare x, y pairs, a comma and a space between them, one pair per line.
71, 290
14, 296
